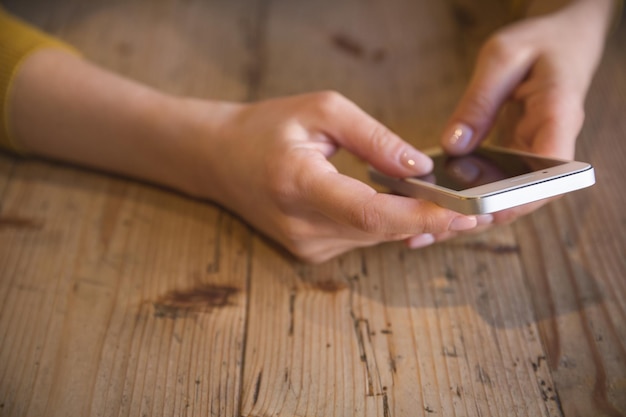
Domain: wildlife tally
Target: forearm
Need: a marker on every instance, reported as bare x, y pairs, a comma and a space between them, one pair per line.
595, 15
587, 24
66, 108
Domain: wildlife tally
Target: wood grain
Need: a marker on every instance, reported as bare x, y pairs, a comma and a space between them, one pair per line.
119, 298
125, 299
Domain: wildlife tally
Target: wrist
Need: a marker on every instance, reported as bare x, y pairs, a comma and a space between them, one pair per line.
599, 14
197, 130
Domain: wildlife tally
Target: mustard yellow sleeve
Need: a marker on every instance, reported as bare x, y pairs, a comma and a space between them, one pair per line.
17, 41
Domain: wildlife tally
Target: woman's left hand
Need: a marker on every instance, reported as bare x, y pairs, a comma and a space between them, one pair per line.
534, 74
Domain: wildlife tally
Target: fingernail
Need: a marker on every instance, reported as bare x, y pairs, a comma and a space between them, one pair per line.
420, 241
463, 223
416, 161
458, 137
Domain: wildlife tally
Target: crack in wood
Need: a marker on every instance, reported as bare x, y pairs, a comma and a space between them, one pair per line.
292, 307
257, 388
19, 222
363, 333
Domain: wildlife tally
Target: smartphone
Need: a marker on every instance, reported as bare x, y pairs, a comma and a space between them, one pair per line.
490, 179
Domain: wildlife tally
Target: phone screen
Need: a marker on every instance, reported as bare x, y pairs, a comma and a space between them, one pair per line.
483, 166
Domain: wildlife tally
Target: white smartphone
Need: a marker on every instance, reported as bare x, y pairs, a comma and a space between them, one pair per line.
491, 179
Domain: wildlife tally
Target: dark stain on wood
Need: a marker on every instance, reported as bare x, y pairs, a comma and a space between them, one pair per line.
124, 49
450, 274
386, 410
256, 30
329, 285
537, 365
392, 364
362, 329
379, 55
348, 45
257, 388
451, 353
498, 249
197, 389
354, 48
19, 222
463, 17
483, 376
364, 270
199, 299
292, 307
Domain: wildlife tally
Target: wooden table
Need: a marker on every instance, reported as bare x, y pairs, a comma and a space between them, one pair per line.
119, 298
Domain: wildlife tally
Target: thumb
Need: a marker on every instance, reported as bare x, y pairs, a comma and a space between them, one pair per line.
499, 70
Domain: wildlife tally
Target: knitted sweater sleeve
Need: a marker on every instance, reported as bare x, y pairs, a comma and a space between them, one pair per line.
17, 41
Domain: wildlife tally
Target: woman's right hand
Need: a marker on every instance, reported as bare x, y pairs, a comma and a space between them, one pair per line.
268, 162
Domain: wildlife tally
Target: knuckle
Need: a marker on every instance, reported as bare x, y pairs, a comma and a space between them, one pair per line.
287, 177
481, 105
329, 101
500, 49
435, 220
367, 219
379, 139
281, 184
430, 224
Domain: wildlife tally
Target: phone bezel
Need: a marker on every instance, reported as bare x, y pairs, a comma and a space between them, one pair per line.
498, 195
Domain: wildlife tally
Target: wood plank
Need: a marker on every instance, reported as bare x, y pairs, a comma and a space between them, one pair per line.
575, 257
386, 331
120, 298
107, 321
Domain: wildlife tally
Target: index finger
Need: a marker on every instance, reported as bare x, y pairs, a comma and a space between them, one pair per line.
367, 138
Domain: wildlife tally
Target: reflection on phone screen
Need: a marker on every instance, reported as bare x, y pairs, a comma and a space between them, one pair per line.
481, 167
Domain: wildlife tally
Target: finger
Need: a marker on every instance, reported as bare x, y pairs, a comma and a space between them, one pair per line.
552, 120
501, 66
323, 249
484, 222
315, 226
354, 203
367, 138
420, 241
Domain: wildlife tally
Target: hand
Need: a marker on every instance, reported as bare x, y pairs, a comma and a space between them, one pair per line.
265, 161
269, 164
543, 66
534, 74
